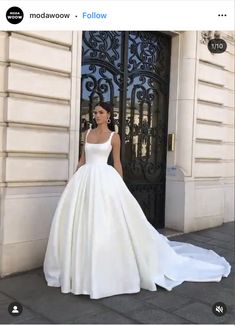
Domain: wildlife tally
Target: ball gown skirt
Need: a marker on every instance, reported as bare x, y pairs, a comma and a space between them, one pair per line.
101, 244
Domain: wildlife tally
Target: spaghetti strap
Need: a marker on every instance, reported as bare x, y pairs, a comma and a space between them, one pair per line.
87, 134
111, 135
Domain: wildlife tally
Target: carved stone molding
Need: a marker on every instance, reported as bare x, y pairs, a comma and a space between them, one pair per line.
206, 36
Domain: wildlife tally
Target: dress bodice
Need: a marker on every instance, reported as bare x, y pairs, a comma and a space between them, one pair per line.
98, 153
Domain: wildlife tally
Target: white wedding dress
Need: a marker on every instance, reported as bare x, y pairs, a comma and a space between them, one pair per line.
101, 243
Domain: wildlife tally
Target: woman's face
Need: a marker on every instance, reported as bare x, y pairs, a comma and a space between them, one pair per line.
101, 115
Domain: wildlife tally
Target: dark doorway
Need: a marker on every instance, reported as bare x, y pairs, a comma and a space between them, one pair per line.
132, 70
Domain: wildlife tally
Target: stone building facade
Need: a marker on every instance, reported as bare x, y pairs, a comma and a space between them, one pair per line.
40, 88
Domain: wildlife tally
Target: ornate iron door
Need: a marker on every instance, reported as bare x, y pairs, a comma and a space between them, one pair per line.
131, 70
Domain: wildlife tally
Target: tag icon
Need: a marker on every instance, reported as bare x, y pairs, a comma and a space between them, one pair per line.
15, 308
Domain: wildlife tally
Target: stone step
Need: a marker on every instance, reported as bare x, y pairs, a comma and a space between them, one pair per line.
169, 232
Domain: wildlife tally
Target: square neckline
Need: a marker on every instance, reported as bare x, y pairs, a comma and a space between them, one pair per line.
98, 143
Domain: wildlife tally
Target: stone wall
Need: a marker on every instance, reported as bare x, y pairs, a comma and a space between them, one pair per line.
39, 129
201, 114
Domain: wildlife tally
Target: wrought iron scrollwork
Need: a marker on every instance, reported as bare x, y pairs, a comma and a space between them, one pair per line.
131, 69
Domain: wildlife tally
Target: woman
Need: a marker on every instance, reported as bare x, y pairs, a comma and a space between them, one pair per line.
101, 243
105, 126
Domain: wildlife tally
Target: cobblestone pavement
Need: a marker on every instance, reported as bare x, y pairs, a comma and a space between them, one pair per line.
188, 303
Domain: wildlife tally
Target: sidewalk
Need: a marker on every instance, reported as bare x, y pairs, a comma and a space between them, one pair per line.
188, 303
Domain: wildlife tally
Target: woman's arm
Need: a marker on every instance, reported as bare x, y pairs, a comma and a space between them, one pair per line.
82, 160
116, 144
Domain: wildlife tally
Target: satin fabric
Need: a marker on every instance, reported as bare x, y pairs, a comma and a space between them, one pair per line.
101, 244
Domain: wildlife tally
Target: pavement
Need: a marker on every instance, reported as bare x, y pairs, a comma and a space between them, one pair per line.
188, 303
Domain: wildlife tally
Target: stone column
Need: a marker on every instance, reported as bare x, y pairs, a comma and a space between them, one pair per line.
181, 122
76, 62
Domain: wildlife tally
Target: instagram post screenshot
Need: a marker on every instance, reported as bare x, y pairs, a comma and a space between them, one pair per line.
117, 162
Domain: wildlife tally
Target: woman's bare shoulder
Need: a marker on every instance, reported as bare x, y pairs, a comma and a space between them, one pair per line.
115, 134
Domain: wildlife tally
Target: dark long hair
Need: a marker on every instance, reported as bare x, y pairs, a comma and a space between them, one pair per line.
109, 108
